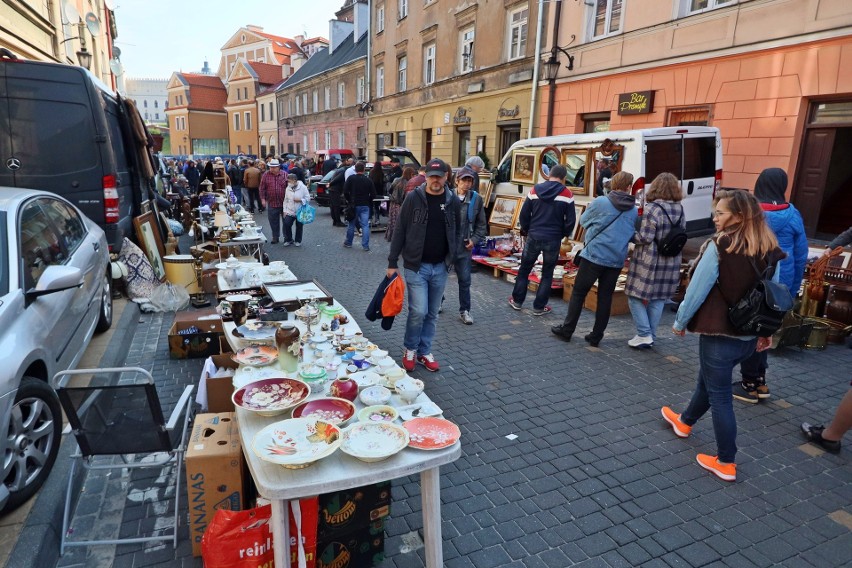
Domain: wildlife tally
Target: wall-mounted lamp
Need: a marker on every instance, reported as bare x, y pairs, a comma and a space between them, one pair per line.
83, 56
550, 68
365, 108
289, 123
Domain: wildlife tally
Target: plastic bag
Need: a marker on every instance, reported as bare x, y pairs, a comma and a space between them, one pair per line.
170, 298
306, 214
231, 533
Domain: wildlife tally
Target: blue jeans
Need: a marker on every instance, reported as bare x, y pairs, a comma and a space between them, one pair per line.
718, 355
646, 316
274, 214
425, 290
462, 265
753, 369
288, 229
362, 216
550, 252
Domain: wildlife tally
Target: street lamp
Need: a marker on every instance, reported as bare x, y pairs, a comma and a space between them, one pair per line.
289, 123
365, 108
550, 69
83, 56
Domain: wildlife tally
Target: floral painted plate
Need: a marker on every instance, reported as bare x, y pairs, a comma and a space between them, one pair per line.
256, 355
270, 397
432, 433
373, 441
297, 442
338, 411
365, 379
260, 330
378, 413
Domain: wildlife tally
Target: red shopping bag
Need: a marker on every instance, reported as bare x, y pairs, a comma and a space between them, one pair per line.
239, 539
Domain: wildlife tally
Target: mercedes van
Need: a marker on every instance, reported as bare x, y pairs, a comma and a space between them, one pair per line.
63, 131
692, 153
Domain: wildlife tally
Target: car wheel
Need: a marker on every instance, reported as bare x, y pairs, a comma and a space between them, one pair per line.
105, 317
33, 435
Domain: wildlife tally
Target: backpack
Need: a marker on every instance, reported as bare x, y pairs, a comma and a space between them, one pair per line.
761, 311
675, 240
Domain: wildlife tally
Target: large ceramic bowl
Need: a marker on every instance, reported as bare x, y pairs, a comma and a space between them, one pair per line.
297, 442
373, 441
338, 411
372, 396
271, 397
257, 331
256, 355
432, 433
378, 413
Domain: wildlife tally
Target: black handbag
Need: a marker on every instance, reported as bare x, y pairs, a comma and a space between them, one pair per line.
761, 311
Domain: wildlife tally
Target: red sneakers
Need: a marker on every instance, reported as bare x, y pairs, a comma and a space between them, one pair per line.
681, 430
408, 360
429, 362
726, 471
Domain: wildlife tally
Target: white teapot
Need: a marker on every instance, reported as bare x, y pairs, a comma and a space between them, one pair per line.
233, 274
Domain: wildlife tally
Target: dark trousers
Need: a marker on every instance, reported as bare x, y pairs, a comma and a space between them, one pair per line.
336, 205
589, 273
288, 229
550, 253
253, 199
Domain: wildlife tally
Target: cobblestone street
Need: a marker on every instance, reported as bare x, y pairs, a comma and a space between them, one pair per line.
565, 458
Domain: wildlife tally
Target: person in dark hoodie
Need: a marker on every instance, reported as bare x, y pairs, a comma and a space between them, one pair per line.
786, 222
610, 223
546, 217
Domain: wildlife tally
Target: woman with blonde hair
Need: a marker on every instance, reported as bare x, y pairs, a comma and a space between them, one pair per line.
652, 277
728, 266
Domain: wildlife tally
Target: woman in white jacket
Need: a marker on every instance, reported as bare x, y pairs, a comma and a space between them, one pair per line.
296, 196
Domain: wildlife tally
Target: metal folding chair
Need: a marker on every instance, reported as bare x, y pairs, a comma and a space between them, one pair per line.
121, 416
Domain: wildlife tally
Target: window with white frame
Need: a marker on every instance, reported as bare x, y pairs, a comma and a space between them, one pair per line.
327, 98
262, 113
380, 19
247, 121
305, 142
289, 107
327, 138
429, 64
271, 115
607, 18
380, 81
315, 96
305, 101
403, 9
466, 50
689, 7
359, 89
236, 121
316, 140
341, 94
298, 106
341, 138
402, 74
518, 26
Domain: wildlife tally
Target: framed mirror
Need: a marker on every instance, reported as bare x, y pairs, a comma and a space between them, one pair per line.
576, 162
548, 158
607, 163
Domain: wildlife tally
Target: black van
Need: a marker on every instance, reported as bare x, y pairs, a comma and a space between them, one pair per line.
62, 130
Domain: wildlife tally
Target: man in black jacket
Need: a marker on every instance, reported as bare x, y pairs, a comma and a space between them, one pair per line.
359, 192
427, 235
335, 194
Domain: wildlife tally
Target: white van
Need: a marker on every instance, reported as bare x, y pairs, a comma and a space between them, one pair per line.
692, 153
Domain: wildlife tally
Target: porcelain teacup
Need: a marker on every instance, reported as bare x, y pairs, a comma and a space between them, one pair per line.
359, 361
378, 354
393, 375
409, 389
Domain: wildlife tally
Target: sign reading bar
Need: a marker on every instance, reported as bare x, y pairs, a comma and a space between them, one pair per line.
637, 102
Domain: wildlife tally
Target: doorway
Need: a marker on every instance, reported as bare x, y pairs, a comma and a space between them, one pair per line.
464, 146
427, 145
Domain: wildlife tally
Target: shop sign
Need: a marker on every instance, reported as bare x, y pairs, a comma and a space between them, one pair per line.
508, 112
461, 116
637, 102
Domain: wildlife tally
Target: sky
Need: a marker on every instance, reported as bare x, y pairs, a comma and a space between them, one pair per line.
157, 37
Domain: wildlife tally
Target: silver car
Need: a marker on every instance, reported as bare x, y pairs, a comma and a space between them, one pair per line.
55, 292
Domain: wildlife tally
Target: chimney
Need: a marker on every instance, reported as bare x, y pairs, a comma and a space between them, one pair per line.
362, 19
297, 60
338, 31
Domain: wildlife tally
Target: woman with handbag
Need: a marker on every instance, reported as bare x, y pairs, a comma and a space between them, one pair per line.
728, 267
296, 192
652, 277
610, 223
397, 196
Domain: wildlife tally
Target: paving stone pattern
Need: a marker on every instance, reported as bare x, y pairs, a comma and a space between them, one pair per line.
594, 476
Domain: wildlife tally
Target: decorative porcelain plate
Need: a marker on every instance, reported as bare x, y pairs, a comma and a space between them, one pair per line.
373, 441
418, 410
256, 355
378, 413
260, 330
244, 238
432, 433
365, 379
270, 397
297, 442
338, 411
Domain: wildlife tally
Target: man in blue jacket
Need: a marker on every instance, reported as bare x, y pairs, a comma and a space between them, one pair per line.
786, 222
546, 217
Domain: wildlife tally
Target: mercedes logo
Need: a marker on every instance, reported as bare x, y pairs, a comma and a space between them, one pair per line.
13, 164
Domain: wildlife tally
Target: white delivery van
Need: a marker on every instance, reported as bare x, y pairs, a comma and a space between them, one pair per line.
692, 153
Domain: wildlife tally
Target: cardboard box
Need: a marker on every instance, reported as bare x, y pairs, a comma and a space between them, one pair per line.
195, 345
350, 509
359, 548
619, 298
220, 389
215, 471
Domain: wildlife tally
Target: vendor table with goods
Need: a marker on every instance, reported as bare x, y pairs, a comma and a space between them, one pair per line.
346, 397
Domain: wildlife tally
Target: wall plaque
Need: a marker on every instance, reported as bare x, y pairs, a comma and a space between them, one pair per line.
637, 102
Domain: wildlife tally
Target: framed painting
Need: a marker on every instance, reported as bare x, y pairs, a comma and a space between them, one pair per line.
579, 230
505, 211
576, 163
485, 194
524, 167
149, 239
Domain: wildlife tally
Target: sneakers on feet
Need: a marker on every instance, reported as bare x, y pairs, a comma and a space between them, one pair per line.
681, 430
366, 249
288, 243
543, 311
562, 332
409, 359
726, 471
814, 436
762, 390
347, 245
298, 244
514, 304
274, 241
466, 319
639, 342
429, 362
593, 340
743, 394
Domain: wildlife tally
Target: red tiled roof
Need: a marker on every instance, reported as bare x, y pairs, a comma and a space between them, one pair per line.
267, 73
314, 40
203, 80
280, 47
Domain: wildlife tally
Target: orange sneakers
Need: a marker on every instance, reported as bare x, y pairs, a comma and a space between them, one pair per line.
726, 471
681, 430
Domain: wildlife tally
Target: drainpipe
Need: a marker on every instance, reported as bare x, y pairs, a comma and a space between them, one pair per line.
533, 97
551, 87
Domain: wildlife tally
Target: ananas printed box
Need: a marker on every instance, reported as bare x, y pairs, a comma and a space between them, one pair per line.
344, 511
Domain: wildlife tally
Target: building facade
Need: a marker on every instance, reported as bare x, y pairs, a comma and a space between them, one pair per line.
267, 124
770, 74
198, 123
244, 82
151, 97
451, 79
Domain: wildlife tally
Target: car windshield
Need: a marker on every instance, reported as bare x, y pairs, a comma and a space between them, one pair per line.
327, 177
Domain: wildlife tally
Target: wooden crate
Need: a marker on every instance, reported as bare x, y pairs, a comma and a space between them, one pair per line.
619, 298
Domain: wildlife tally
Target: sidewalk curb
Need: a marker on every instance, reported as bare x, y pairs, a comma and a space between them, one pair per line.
38, 543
